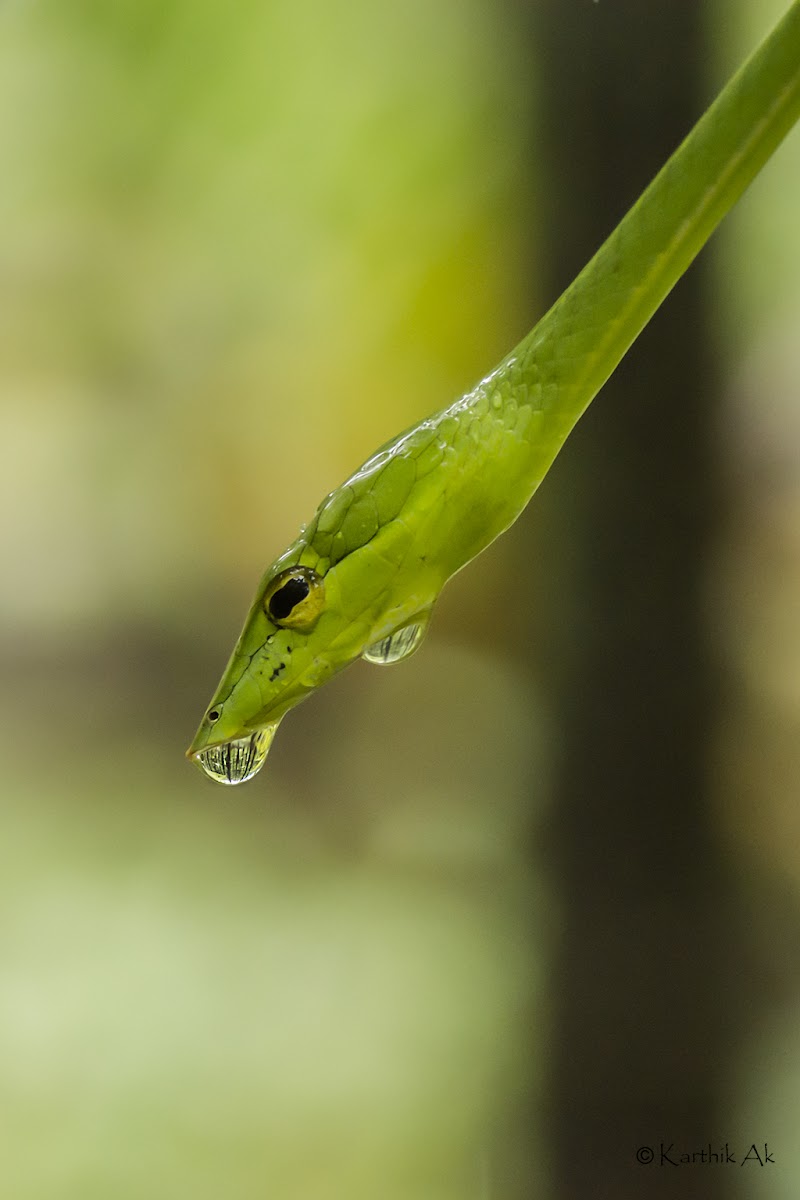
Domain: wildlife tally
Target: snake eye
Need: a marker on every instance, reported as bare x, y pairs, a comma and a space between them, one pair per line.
213, 715
294, 599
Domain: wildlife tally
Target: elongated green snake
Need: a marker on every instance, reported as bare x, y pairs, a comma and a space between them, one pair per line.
363, 576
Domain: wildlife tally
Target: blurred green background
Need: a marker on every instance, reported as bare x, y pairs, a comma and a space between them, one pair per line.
240, 247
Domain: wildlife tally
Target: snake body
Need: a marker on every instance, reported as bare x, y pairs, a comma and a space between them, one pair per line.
364, 575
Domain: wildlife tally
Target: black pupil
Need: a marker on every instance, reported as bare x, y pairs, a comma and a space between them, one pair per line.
287, 597
213, 715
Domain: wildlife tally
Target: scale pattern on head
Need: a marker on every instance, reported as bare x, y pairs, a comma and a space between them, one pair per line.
351, 516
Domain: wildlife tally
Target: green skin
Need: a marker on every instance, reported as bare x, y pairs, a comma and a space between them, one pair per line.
390, 537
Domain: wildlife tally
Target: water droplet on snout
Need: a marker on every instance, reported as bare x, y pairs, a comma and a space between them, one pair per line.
398, 645
239, 760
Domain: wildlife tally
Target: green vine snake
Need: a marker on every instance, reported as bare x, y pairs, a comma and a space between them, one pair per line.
363, 576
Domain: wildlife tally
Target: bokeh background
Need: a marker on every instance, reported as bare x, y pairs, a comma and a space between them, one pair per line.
492, 919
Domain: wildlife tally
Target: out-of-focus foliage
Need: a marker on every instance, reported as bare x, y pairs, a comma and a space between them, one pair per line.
754, 599
239, 249
240, 246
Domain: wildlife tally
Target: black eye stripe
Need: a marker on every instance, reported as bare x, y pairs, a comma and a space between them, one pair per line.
287, 597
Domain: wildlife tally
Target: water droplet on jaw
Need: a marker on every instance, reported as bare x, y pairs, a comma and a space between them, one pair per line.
398, 645
239, 760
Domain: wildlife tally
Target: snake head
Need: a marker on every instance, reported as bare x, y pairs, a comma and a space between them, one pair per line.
292, 642
356, 575
303, 628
